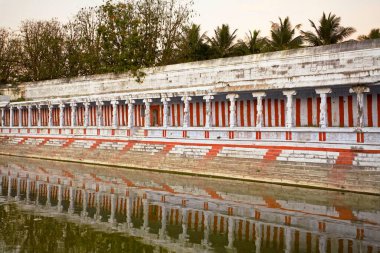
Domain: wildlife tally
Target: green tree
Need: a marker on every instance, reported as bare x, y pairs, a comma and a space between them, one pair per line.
42, 44
373, 34
283, 37
328, 32
253, 43
223, 42
82, 44
10, 57
193, 46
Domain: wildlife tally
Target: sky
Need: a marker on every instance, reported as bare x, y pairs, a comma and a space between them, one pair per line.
243, 15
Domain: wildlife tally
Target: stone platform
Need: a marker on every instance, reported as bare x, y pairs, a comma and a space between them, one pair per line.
328, 168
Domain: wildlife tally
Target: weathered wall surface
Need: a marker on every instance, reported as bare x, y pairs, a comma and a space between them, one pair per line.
348, 63
329, 168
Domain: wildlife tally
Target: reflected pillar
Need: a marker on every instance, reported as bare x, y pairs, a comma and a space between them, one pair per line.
288, 240
48, 193
71, 200
206, 231
9, 186
18, 189
184, 236
162, 231
322, 244
145, 214
113, 209
59, 197
258, 232
37, 193
129, 212
84, 212
97, 216
27, 190
231, 232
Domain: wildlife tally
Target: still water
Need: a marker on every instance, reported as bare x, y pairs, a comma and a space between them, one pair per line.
63, 207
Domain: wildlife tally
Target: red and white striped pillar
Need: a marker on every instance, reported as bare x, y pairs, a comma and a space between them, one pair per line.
232, 98
259, 108
323, 106
289, 122
359, 91
208, 99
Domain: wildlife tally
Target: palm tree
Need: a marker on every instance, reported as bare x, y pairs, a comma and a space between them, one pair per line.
328, 32
282, 36
373, 34
222, 44
253, 43
192, 45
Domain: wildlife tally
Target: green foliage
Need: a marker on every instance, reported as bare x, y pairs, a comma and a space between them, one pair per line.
193, 46
253, 44
373, 34
222, 44
283, 36
328, 32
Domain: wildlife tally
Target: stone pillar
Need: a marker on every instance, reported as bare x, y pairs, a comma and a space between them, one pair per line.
73, 114
231, 232
323, 122
131, 108
37, 201
208, 99
11, 116
2, 116
50, 119
1, 185
19, 116
114, 104
259, 113
29, 115
232, 98
99, 113
147, 102
165, 102
86, 121
39, 115
359, 91
289, 107
61, 114
97, 215
145, 214
186, 111
322, 244
162, 231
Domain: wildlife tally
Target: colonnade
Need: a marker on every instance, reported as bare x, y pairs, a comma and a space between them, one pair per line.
165, 101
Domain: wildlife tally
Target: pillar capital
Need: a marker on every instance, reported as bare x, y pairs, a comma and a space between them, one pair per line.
186, 98
232, 97
61, 105
208, 97
99, 102
147, 100
323, 90
86, 103
73, 103
19, 107
359, 89
258, 94
165, 100
114, 101
289, 93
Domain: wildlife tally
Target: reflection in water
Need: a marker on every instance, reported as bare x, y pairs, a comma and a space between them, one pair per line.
60, 207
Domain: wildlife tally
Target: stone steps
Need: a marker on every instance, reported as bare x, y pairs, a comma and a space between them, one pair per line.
112, 145
190, 151
242, 152
150, 148
34, 142
82, 144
